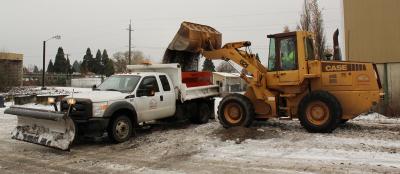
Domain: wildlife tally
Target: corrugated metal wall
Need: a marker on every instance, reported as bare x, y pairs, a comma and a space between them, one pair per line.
372, 30
372, 34
393, 87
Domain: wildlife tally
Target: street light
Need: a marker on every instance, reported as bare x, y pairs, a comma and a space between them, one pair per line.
58, 37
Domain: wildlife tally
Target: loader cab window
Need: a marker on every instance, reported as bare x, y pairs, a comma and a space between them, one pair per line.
272, 55
310, 48
287, 52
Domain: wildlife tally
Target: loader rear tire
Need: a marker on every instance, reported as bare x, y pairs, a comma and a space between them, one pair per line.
235, 110
319, 112
120, 129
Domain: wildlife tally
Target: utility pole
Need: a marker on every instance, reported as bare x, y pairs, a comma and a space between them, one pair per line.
130, 41
44, 65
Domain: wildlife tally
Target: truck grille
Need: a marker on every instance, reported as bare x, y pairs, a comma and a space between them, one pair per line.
82, 110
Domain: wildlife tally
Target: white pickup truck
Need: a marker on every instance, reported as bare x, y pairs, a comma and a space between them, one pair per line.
118, 105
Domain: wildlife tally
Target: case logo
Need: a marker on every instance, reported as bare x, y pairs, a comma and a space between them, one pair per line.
338, 67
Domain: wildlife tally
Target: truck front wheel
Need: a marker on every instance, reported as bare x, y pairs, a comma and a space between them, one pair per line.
235, 110
120, 129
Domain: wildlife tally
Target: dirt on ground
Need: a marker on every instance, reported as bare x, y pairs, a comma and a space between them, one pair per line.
365, 145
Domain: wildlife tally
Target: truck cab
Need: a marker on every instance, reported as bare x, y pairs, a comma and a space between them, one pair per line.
124, 101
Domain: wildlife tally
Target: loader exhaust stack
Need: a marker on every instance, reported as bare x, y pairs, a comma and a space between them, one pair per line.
188, 42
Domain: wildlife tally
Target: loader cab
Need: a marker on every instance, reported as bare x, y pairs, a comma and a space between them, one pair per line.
287, 57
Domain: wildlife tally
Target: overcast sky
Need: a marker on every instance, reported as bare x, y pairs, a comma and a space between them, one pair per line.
101, 24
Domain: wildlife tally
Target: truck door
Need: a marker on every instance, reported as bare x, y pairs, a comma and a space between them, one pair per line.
148, 107
287, 60
167, 98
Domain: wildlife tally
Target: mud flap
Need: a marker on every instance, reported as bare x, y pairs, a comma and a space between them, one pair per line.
48, 128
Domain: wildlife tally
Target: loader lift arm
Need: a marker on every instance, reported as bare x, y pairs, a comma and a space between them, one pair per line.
249, 61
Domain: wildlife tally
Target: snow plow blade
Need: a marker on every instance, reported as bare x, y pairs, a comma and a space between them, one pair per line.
48, 128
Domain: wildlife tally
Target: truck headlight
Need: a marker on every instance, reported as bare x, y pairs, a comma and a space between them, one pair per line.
51, 100
71, 101
99, 108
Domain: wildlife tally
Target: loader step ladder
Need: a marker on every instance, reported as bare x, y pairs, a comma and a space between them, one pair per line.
286, 109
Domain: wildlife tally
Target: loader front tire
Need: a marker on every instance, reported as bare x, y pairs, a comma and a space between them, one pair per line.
235, 110
120, 129
319, 112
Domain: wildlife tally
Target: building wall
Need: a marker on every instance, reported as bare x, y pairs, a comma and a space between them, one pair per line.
229, 83
11, 69
372, 30
372, 34
393, 86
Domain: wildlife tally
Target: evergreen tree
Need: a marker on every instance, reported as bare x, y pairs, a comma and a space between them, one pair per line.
50, 67
69, 67
104, 60
109, 68
97, 63
87, 61
208, 65
60, 63
35, 69
76, 67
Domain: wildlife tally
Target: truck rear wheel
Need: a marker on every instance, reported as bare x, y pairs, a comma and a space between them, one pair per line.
235, 110
201, 113
319, 112
120, 129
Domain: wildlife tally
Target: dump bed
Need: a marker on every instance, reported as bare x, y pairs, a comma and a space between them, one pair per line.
182, 91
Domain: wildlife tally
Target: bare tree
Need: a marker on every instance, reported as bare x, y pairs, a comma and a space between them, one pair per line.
137, 57
225, 67
312, 20
305, 17
121, 60
286, 29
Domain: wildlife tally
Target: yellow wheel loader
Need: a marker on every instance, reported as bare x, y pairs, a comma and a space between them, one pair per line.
296, 84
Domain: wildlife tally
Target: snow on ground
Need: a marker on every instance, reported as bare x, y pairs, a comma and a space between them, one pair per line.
367, 144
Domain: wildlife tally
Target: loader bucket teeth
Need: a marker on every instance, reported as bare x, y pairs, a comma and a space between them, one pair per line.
52, 129
188, 42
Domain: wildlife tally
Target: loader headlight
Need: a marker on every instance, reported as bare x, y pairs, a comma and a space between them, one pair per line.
51, 100
99, 109
71, 101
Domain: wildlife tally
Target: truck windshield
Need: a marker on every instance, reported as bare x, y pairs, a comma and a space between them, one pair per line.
121, 83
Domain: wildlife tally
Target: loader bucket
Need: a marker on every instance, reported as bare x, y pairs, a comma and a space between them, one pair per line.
190, 39
48, 128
